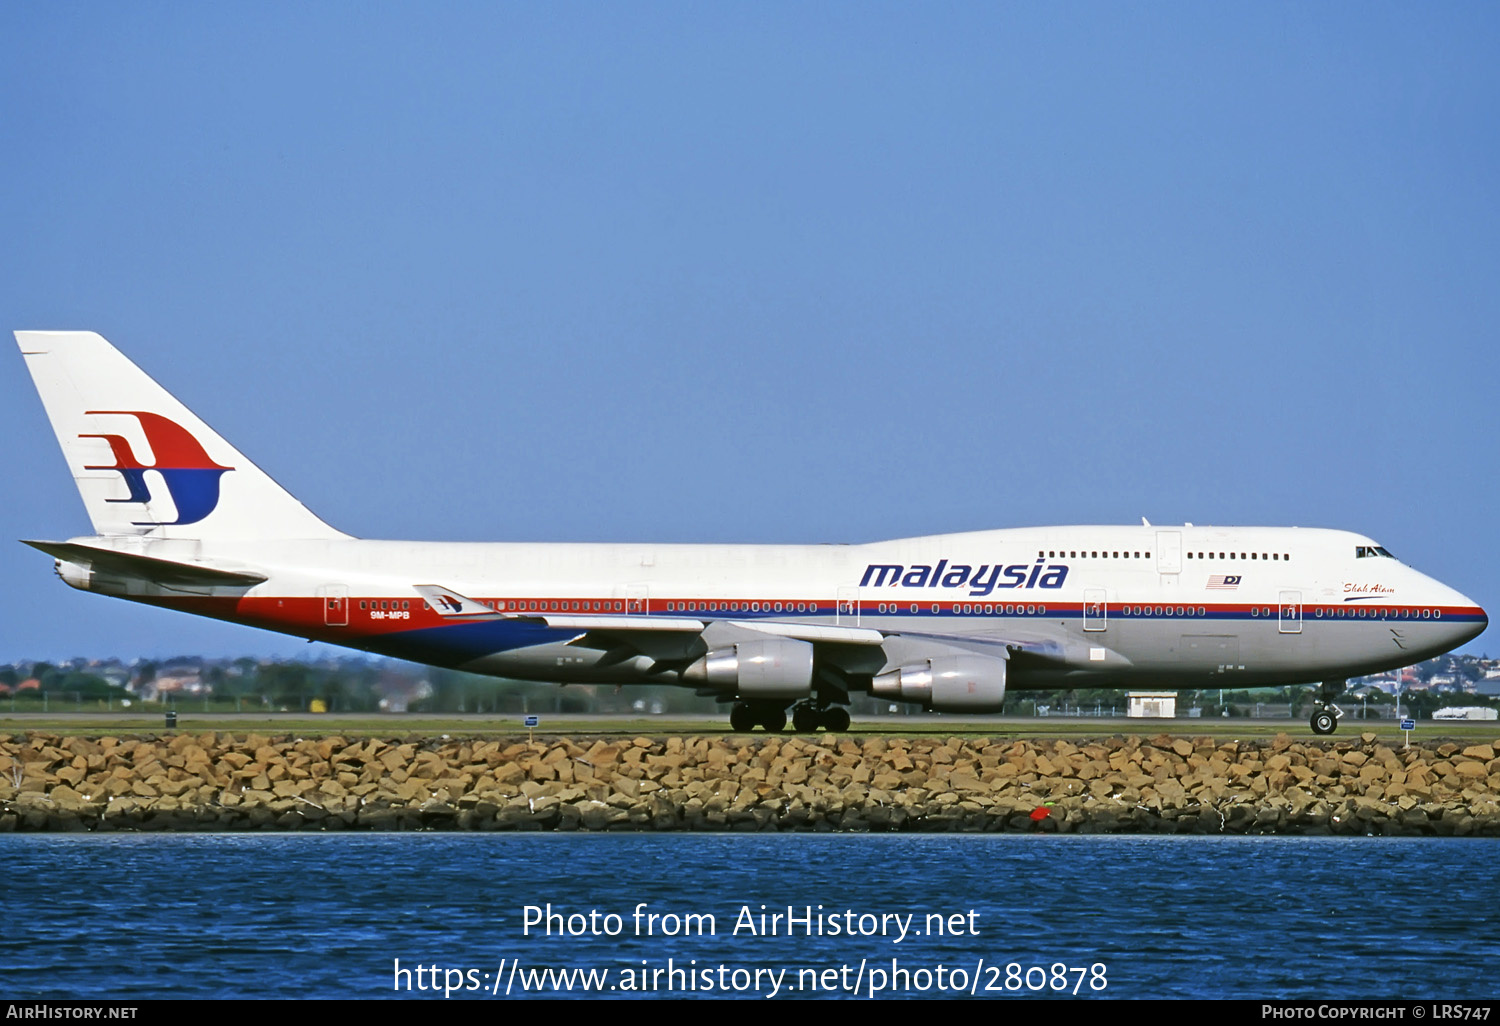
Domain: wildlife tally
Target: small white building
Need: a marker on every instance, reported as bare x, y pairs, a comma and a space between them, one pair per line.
1465, 712
1156, 705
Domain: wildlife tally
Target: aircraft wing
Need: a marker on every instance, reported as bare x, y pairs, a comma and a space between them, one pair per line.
668, 638
670, 624
452, 605
653, 624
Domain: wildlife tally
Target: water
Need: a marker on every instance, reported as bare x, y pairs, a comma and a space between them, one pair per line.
184, 916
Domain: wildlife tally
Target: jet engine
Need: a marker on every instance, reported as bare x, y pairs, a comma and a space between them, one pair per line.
957, 683
774, 668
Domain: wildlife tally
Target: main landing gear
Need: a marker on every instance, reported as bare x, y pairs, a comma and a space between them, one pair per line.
806, 717
746, 716
1325, 716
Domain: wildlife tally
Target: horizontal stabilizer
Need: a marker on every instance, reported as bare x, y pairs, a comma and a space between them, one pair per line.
164, 572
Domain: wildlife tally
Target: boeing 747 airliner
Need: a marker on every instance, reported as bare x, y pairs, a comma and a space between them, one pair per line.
949, 622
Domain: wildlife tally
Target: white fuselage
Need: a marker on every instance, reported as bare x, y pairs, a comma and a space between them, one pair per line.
1074, 606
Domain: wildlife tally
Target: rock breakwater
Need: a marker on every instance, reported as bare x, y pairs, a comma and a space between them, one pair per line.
1162, 784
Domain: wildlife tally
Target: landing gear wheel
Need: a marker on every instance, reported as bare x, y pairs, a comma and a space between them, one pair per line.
774, 720
805, 719
1323, 722
741, 718
836, 720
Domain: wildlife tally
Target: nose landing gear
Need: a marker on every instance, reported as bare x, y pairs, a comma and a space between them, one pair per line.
1325, 716
1325, 721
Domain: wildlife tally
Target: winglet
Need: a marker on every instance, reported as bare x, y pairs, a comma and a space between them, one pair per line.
449, 603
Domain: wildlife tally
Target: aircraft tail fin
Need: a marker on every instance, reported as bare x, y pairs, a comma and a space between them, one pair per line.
144, 463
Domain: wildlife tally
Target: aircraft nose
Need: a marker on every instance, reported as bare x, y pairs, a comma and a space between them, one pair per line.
1468, 618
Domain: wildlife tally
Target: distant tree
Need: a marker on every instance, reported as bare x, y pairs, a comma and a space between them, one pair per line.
285, 685
86, 685
1422, 704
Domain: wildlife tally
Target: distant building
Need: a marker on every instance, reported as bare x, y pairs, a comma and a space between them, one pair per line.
399, 689
114, 676
1158, 705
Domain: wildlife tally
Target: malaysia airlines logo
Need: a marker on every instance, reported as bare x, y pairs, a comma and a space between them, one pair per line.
191, 478
980, 580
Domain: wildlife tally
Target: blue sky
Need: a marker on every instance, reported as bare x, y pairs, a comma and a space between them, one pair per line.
766, 273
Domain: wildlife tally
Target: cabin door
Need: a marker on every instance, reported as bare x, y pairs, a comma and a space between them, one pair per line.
1095, 609
636, 598
335, 601
1289, 617
847, 606
1169, 555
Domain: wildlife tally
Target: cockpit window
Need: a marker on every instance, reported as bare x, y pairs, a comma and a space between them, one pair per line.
1365, 551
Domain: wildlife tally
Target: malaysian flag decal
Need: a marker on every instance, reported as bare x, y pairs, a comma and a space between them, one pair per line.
1223, 582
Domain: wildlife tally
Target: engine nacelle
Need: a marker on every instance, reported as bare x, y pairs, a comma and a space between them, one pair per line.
774, 668
959, 683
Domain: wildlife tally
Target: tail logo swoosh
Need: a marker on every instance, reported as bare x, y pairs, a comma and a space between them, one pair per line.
191, 478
